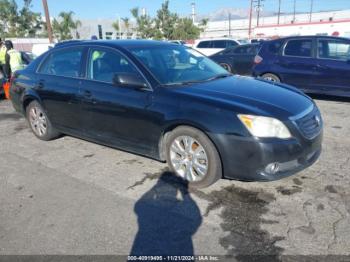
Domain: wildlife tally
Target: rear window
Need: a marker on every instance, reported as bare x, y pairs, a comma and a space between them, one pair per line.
231, 43
65, 62
299, 47
204, 44
333, 49
275, 46
219, 44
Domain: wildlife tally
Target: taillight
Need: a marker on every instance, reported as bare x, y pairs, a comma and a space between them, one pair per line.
258, 59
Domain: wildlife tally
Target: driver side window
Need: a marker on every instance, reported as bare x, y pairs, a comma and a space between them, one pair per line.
104, 65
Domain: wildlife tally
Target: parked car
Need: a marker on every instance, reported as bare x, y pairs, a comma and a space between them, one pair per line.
238, 59
211, 46
171, 103
178, 42
315, 64
27, 57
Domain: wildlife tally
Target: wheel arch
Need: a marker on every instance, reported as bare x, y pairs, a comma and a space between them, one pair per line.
170, 127
27, 99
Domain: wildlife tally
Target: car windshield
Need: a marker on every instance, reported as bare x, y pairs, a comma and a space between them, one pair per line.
178, 65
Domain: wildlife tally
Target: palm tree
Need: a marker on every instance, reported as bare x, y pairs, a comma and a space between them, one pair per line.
64, 25
135, 12
116, 26
126, 25
203, 24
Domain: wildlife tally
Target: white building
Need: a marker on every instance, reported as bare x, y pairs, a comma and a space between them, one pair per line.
322, 23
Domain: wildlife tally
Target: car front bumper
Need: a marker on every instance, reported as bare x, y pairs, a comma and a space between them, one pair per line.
251, 159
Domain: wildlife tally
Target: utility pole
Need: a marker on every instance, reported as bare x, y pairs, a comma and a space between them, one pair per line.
229, 24
48, 22
279, 12
294, 10
311, 7
258, 6
250, 19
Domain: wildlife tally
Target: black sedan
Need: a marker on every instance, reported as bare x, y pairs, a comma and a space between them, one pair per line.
239, 59
173, 104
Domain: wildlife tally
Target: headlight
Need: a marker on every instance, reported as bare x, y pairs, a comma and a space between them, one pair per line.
261, 126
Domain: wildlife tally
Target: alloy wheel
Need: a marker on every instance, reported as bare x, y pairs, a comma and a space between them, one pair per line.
38, 121
189, 158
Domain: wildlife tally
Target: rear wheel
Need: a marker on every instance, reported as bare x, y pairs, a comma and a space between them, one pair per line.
271, 77
39, 122
193, 157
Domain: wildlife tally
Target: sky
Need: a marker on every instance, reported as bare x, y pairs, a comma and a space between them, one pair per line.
89, 9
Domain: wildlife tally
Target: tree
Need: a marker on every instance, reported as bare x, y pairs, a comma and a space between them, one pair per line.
64, 25
203, 24
166, 25
165, 22
144, 23
126, 25
19, 23
29, 23
185, 29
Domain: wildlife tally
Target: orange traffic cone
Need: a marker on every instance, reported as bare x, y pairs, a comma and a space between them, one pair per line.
7, 90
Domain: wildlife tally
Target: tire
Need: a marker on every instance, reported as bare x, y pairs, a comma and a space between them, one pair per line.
271, 77
227, 67
188, 162
39, 122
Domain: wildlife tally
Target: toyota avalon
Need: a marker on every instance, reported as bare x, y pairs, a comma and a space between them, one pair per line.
170, 103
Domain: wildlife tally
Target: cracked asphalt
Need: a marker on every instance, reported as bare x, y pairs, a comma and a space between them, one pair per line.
69, 196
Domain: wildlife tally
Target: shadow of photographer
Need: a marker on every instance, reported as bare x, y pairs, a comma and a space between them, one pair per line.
168, 217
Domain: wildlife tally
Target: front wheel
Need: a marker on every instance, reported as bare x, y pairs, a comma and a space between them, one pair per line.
193, 157
271, 77
227, 67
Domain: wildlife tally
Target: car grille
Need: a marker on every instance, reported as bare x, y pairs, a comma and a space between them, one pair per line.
310, 125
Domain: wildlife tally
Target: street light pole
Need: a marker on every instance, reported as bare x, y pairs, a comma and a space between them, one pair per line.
250, 19
294, 10
279, 12
48, 22
311, 7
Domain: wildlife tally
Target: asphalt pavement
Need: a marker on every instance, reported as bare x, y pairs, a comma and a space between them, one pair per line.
70, 196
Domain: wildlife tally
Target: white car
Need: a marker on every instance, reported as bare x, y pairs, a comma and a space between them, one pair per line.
214, 45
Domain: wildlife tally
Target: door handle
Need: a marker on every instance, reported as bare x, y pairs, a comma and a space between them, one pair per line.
88, 97
87, 94
322, 67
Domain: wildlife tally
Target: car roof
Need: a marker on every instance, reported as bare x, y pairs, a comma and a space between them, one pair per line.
309, 36
128, 44
216, 38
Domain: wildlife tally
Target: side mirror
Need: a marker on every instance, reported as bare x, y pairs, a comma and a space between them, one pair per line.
129, 80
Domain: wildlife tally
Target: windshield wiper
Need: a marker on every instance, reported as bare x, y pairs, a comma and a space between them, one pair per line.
218, 77
199, 81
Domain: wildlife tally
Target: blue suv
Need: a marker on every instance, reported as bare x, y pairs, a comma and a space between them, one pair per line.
315, 64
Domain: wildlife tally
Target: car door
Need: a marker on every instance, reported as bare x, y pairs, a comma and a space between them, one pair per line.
243, 58
205, 47
113, 114
296, 63
58, 81
333, 66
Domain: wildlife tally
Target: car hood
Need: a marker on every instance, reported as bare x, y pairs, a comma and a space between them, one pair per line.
253, 96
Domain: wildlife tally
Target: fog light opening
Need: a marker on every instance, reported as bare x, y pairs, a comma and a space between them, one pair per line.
272, 168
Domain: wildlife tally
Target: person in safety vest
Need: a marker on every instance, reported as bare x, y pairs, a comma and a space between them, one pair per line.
13, 60
2, 58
